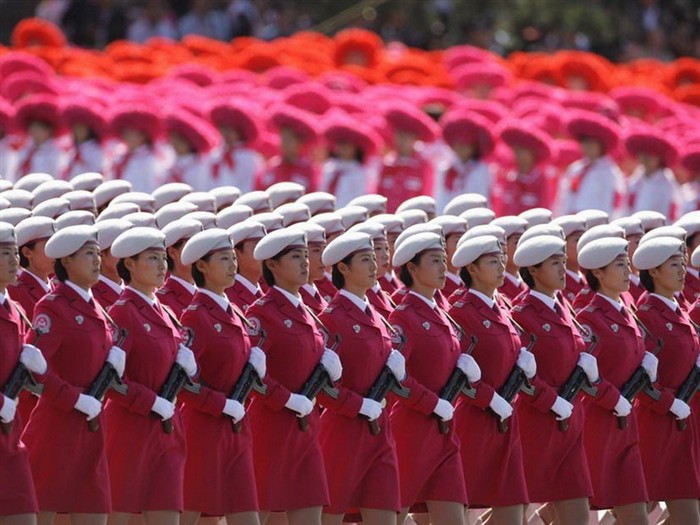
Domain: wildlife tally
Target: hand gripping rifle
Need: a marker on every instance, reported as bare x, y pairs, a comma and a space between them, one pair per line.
517, 381
248, 381
687, 390
457, 384
576, 382
318, 380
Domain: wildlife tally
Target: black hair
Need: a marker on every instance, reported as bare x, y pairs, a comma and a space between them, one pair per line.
123, 272
359, 154
466, 278
404, 275
60, 271
171, 261
267, 273
592, 280
338, 278
23, 261
646, 280
197, 276
527, 276
239, 247
690, 239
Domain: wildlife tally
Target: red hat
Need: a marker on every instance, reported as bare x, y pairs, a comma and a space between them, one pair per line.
460, 55
590, 101
588, 67
492, 75
568, 152
584, 124
468, 128
238, 76
635, 100
139, 117
17, 61
195, 73
494, 111
345, 129
342, 81
548, 117
308, 97
28, 83
520, 134
301, 123
198, 132
39, 107
691, 159
411, 120
281, 77
357, 47
91, 114
645, 139
37, 32
238, 115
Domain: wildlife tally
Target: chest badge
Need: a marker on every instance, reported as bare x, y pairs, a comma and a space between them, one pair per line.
147, 327
614, 328
79, 319
546, 327
669, 326
486, 323
287, 323
356, 328
426, 325
217, 327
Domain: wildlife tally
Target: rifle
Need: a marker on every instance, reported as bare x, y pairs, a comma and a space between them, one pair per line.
687, 391
107, 378
576, 382
248, 381
21, 379
318, 380
516, 381
458, 383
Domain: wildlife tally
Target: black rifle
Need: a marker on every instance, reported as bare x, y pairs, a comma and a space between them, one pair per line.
577, 382
457, 384
638, 382
517, 381
687, 391
107, 378
318, 380
248, 381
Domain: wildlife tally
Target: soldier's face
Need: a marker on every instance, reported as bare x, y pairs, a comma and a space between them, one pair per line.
670, 275
431, 270
219, 270
361, 274
316, 267
291, 271
39, 263
615, 277
551, 274
488, 271
381, 254
83, 266
148, 269
9, 264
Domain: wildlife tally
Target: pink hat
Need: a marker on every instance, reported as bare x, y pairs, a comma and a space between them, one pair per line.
519, 134
459, 55
16, 61
691, 160
301, 123
469, 76
310, 97
281, 77
237, 115
637, 100
7, 116
587, 125
198, 132
494, 111
568, 152
39, 107
591, 101
342, 81
196, 73
77, 111
139, 117
646, 139
28, 83
411, 120
468, 128
339, 129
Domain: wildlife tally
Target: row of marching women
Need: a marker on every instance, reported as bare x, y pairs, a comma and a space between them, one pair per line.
272, 357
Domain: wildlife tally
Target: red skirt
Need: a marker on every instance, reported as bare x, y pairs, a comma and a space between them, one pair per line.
17, 494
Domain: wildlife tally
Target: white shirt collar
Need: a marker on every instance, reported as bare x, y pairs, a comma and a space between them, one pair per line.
376, 288
86, 295
389, 276
251, 287
488, 300
361, 303
516, 280
45, 286
617, 304
117, 287
294, 299
576, 276
187, 286
3, 298
634, 278
311, 289
671, 303
429, 302
454, 278
150, 301
221, 300
328, 276
692, 271
546, 299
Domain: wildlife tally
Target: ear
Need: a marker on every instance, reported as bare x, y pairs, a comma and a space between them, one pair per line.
597, 273
201, 266
129, 263
343, 268
271, 264
471, 269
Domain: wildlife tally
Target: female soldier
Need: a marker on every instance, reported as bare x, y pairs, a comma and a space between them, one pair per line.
219, 475
669, 455
555, 462
146, 464
371, 481
613, 452
289, 473
76, 341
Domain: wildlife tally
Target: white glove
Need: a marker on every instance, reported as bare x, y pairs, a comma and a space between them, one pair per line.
501, 407
562, 408
331, 362
397, 364
8, 410
371, 409
526, 362
469, 366
33, 359
650, 363
302, 405
259, 360
88, 405
697, 361
444, 409
185, 358
590, 365
680, 409
117, 358
623, 407
164, 408
234, 409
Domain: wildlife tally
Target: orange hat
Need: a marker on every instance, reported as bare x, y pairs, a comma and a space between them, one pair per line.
357, 47
37, 32
577, 67
683, 71
467, 127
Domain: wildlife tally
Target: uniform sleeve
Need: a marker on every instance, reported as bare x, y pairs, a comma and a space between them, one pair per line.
668, 395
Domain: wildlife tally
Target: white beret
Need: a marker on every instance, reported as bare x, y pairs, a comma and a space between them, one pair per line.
412, 217
51, 189
374, 229
665, 231
137, 240
170, 192
283, 192
593, 217
75, 218
344, 245
570, 224
539, 230
415, 244
233, 214
450, 224
351, 215
331, 222
484, 230
318, 202
34, 229
142, 218
271, 220
118, 211
392, 223
204, 201
180, 229
375, 203
258, 200
425, 227
110, 229
19, 198
205, 242
315, 233
5, 185
69, 240
655, 252
421, 202
535, 216
601, 252
81, 200
273, 243
224, 196
631, 225
14, 215
511, 224
538, 249
464, 202
171, 212
206, 218
293, 213
52, 208
87, 181
690, 222
7, 234
145, 200
31, 180
650, 219
695, 258
478, 216
471, 249
600, 232
109, 190
249, 229
4, 203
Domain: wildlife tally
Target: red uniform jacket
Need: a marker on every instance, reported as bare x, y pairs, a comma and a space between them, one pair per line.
214, 452
315, 301
381, 302
146, 464
241, 296
516, 192
105, 294
75, 345
512, 290
450, 287
27, 292
302, 171
692, 287
586, 295
389, 285
573, 288
175, 296
402, 178
326, 288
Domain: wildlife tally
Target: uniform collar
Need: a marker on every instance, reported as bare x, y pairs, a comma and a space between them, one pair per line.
187, 286
616, 304
251, 287
152, 302
222, 301
517, 281
3, 298
294, 299
488, 300
546, 299
454, 278
430, 302
85, 295
576, 276
671, 303
389, 276
361, 303
634, 278
692, 271
117, 287
44, 286
311, 289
